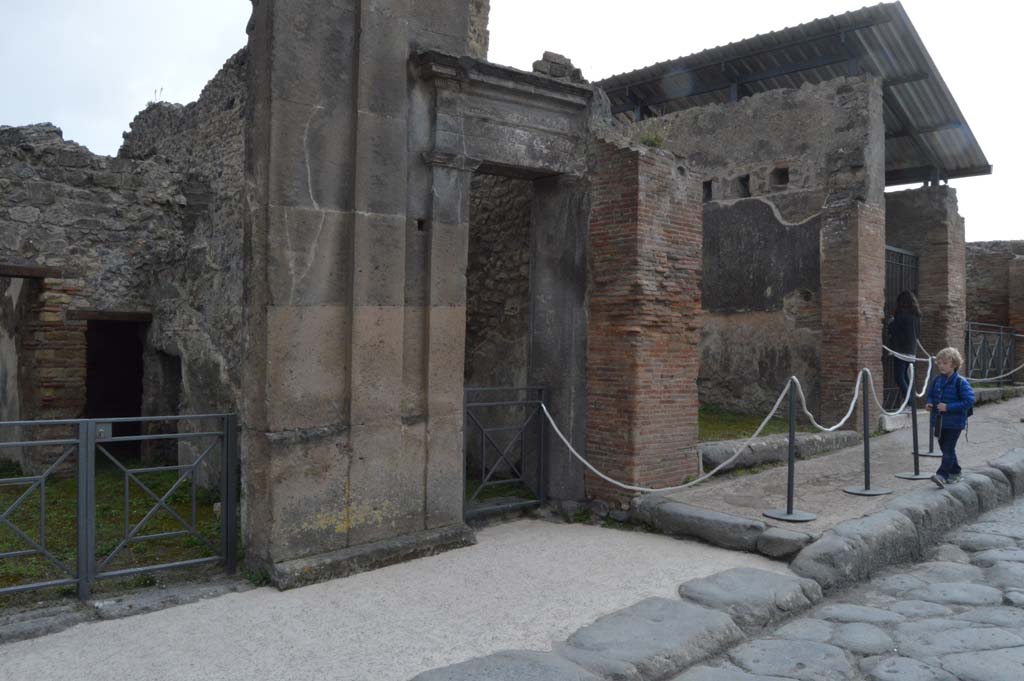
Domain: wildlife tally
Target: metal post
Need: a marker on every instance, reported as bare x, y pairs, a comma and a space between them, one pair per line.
86, 507
866, 490
541, 486
790, 515
916, 475
931, 433
229, 500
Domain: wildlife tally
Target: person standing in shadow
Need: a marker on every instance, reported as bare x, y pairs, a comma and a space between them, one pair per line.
904, 330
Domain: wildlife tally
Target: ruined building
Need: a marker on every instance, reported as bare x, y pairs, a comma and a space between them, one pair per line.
361, 216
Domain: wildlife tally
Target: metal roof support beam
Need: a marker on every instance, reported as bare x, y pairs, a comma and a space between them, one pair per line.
912, 78
904, 121
952, 125
924, 174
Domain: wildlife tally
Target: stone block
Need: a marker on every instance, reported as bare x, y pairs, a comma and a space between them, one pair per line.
446, 338
377, 337
782, 544
652, 639
511, 665
309, 256
752, 598
989, 496
804, 660
720, 529
933, 512
378, 263
307, 372
312, 152
380, 164
449, 244
385, 483
1012, 466
445, 466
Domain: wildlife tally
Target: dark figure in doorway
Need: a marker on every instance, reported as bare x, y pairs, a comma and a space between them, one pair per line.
904, 330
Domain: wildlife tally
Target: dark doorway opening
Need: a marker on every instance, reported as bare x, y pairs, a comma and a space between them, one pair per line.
113, 383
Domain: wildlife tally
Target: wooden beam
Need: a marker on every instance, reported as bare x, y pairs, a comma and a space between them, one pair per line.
109, 316
29, 272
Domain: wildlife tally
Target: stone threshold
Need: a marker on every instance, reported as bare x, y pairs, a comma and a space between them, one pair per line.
345, 562
773, 449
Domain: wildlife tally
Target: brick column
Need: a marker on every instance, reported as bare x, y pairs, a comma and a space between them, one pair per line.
852, 299
644, 323
925, 221
53, 368
1016, 308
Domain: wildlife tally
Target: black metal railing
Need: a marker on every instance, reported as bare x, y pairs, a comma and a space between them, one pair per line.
504, 449
92, 444
989, 351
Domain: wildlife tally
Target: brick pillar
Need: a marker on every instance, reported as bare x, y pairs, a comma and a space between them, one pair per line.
53, 368
925, 221
644, 323
1016, 308
852, 299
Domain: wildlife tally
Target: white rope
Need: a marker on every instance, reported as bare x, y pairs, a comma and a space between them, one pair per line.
994, 378
635, 488
905, 357
874, 394
927, 377
807, 413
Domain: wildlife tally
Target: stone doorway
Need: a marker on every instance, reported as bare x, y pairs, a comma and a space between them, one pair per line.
114, 374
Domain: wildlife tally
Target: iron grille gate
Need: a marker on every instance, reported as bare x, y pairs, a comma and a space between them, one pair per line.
504, 450
990, 351
91, 442
900, 275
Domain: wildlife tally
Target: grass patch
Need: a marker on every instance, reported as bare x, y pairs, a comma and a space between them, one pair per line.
503, 490
715, 423
61, 533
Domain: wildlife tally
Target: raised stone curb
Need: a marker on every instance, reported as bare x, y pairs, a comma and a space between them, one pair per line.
651, 639
753, 598
781, 544
682, 520
773, 448
856, 549
655, 638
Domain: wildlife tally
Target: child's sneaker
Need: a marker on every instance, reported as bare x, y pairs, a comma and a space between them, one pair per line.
939, 480
954, 479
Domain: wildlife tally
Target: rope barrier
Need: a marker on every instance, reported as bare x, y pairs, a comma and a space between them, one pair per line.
874, 394
807, 413
635, 488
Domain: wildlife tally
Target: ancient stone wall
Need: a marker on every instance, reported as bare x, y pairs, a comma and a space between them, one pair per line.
498, 281
988, 280
772, 163
204, 142
479, 36
155, 231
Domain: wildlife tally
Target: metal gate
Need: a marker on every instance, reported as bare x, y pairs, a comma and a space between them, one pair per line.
989, 351
503, 450
900, 275
79, 447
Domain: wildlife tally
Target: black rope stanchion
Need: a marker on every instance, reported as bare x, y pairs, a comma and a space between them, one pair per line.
931, 434
791, 515
917, 474
866, 490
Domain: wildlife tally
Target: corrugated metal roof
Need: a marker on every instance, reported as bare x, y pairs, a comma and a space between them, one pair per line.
927, 136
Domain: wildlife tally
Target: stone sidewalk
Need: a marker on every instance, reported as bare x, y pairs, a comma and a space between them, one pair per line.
994, 429
524, 585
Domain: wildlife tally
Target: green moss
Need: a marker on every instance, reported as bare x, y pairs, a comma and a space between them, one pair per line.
715, 423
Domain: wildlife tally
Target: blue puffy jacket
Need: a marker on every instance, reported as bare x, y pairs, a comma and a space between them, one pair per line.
956, 392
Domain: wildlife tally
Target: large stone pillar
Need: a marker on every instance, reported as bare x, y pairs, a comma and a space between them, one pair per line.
852, 301
339, 459
644, 321
925, 221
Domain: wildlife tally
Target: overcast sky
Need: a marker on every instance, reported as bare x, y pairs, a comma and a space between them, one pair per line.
89, 66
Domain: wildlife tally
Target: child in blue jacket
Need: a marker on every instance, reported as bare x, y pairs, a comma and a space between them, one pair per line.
949, 400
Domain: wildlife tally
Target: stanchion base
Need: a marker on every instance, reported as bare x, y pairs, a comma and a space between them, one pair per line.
913, 476
861, 492
931, 455
794, 517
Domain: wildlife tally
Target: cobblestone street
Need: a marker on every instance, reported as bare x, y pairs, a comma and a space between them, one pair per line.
957, 616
